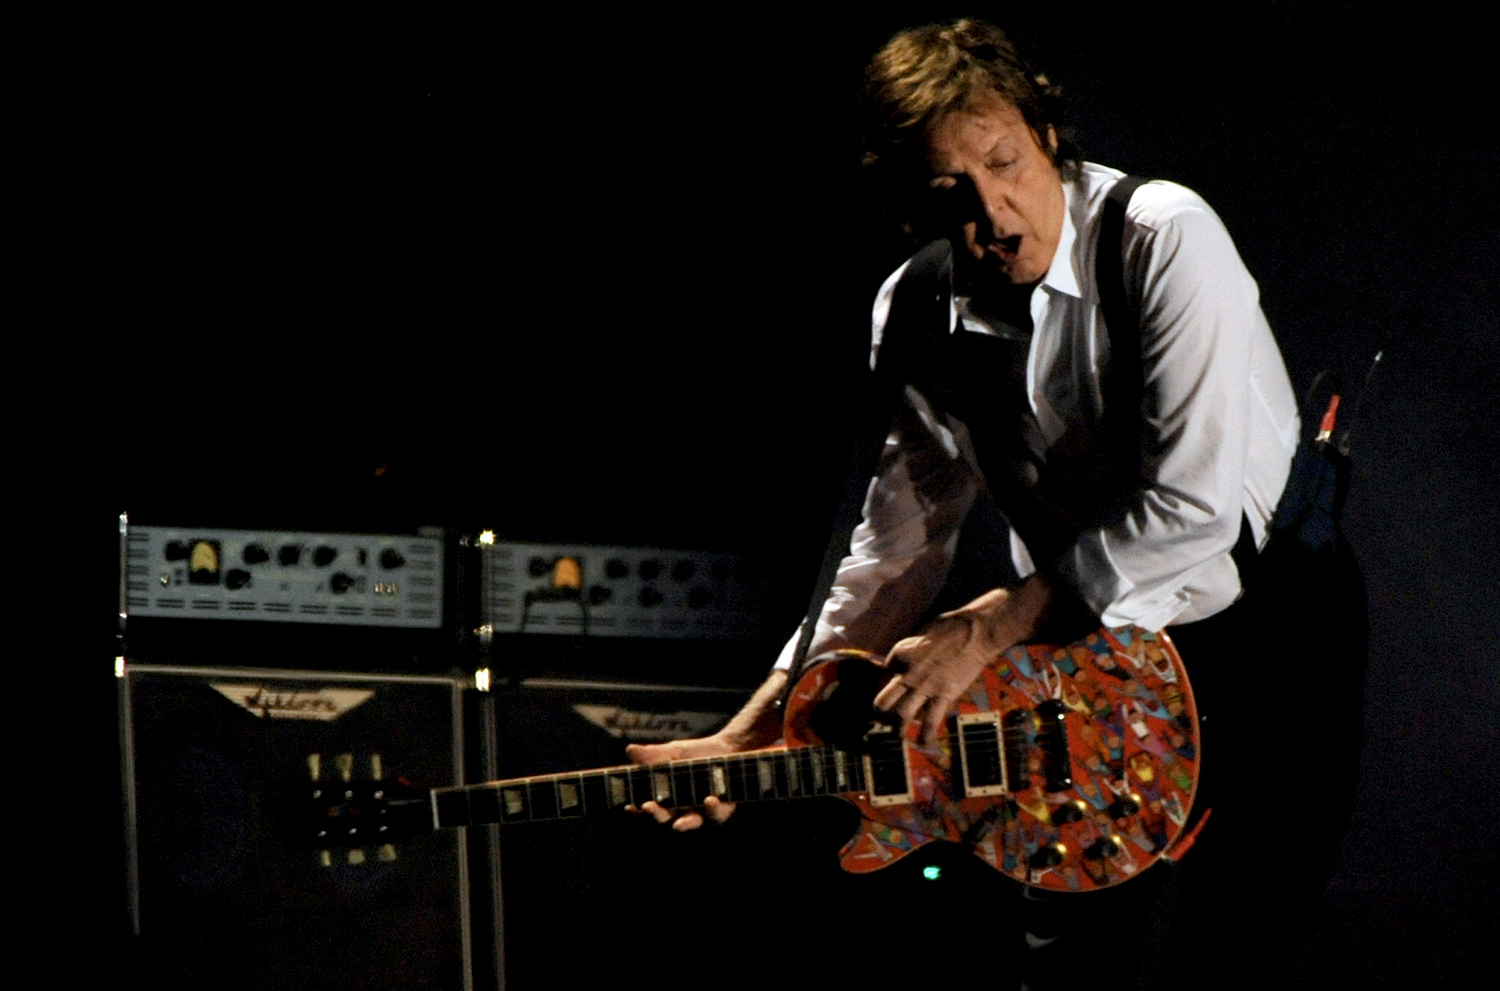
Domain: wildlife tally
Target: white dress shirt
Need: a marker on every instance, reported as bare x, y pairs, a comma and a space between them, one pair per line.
1217, 400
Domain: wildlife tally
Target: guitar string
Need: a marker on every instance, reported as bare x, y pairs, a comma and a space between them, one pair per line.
789, 754
827, 788
815, 754
760, 795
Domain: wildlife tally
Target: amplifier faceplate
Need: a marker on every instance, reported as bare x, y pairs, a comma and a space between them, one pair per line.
600, 591
284, 576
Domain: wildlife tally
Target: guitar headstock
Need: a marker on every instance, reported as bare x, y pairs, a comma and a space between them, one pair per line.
354, 819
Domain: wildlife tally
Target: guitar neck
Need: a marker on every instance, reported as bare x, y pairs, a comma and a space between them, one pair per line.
758, 775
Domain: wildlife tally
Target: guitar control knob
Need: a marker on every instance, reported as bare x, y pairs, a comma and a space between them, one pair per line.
1125, 805
1104, 847
1069, 812
1048, 855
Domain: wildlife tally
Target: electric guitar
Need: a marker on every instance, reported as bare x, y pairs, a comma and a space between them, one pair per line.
1067, 768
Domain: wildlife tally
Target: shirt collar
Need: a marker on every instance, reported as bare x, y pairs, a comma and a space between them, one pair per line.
1063, 275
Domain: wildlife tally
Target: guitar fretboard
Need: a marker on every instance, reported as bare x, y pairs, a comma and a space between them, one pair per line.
760, 775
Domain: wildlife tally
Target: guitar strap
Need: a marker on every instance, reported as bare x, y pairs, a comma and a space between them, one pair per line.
1126, 384
919, 303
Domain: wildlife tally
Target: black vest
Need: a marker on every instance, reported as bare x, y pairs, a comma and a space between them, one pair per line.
981, 380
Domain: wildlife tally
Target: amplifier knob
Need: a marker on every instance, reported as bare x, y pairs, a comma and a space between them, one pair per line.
616, 569
325, 555
649, 570
289, 554
176, 550
236, 579
340, 583
255, 554
684, 570
391, 558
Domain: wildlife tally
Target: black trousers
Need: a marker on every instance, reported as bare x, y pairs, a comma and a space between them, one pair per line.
1279, 680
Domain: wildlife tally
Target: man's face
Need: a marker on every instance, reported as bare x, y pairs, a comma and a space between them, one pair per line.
1011, 234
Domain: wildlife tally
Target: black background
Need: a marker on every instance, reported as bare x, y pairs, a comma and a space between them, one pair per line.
602, 272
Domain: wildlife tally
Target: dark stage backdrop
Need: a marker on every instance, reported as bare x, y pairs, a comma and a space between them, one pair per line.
601, 272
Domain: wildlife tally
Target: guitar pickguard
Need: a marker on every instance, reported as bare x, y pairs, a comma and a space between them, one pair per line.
1100, 751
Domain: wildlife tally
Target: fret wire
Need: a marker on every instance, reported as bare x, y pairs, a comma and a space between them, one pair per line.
680, 780
735, 771
583, 793
529, 792
648, 776
765, 777
705, 776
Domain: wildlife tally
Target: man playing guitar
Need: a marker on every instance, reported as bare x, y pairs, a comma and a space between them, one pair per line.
1153, 511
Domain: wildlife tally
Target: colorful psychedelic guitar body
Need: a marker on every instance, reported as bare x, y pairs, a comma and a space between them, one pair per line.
1067, 768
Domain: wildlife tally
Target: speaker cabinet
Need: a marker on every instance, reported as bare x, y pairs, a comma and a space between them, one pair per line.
231, 883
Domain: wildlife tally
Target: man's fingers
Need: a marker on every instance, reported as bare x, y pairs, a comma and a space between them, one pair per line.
648, 753
890, 695
718, 811
910, 706
937, 714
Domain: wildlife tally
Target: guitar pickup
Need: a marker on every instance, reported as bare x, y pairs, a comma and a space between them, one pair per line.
981, 753
887, 767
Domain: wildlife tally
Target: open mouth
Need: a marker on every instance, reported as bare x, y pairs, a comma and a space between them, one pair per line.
1006, 247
